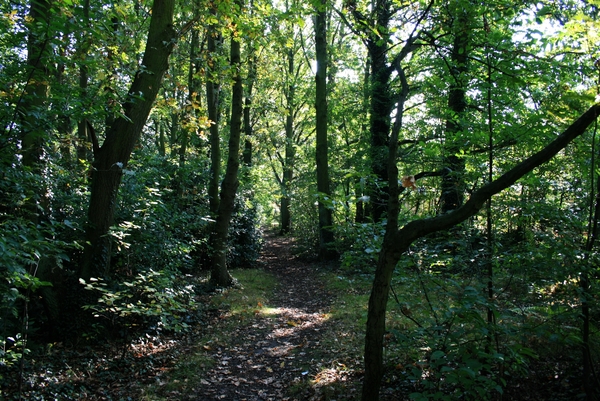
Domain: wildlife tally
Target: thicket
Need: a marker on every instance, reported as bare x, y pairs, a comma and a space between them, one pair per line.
510, 293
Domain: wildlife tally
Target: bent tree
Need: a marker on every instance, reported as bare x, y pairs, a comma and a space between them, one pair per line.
112, 157
397, 240
219, 274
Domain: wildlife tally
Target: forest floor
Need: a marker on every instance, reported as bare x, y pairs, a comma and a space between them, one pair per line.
278, 355
291, 331
271, 349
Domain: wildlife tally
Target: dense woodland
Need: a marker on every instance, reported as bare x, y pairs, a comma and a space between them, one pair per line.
447, 151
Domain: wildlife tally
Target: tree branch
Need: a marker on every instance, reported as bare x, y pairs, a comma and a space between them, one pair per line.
419, 228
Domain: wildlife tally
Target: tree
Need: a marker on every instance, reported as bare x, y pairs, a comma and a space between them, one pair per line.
453, 166
219, 273
214, 40
112, 157
381, 102
397, 240
34, 131
325, 214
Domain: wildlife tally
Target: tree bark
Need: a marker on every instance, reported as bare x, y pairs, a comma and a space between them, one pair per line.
112, 157
380, 109
326, 236
452, 184
247, 153
82, 49
396, 242
290, 151
212, 104
219, 274
35, 97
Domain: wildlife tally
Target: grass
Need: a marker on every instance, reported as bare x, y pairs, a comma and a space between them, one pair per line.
459, 329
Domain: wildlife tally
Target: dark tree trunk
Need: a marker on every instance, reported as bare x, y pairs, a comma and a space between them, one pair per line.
452, 186
112, 157
193, 98
325, 216
396, 242
381, 103
212, 104
586, 298
219, 274
160, 137
35, 97
381, 109
83, 136
290, 151
247, 153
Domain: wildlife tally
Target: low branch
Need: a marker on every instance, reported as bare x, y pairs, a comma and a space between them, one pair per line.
419, 228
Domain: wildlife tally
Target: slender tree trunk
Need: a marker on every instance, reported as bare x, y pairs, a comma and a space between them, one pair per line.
174, 132
63, 118
83, 136
589, 379
326, 236
362, 210
212, 104
160, 137
34, 133
109, 118
290, 151
112, 157
247, 153
192, 98
386, 263
397, 241
219, 273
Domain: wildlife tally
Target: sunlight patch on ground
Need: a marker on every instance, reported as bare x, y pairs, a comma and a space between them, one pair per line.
294, 319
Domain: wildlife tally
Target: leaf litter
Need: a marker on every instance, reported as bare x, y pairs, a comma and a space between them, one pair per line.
278, 354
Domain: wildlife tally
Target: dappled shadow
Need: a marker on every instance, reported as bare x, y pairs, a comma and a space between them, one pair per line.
281, 348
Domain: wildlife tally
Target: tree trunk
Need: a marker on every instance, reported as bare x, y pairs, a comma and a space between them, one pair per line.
386, 262
112, 157
35, 99
212, 104
396, 242
192, 98
586, 298
380, 108
452, 185
219, 273
325, 216
83, 136
290, 151
247, 153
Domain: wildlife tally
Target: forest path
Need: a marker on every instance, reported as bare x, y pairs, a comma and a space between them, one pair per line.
281, 347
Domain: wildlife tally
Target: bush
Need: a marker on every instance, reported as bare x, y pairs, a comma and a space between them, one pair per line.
158, 299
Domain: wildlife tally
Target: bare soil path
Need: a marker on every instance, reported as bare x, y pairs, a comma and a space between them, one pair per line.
280, 348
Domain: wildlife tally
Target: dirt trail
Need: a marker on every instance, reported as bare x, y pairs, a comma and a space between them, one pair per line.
280, 348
